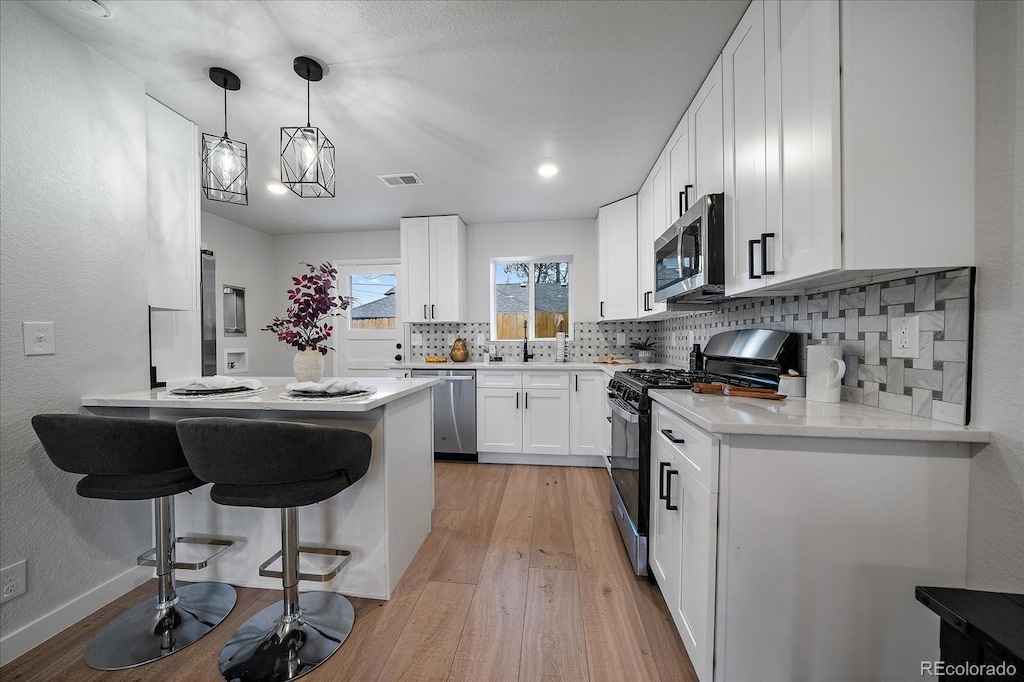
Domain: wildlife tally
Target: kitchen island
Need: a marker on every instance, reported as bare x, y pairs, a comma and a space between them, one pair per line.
382, 519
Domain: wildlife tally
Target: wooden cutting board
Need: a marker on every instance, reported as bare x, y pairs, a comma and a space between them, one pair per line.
737, 391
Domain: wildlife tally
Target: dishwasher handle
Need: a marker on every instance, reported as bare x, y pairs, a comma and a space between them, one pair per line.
446, 378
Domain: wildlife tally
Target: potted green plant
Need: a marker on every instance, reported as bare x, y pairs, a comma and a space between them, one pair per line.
645, 349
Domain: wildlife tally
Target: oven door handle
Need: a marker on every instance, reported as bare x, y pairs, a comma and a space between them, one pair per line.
622, 409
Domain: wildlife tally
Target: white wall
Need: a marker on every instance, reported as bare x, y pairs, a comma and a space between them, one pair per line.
245, 258
576, 238
73, 225
292, 250
996, 517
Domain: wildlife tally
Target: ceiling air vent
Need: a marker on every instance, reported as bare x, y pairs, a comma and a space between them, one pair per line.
400, 179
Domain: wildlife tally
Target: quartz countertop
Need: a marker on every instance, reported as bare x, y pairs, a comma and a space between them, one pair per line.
520, 366
389, 389
800, 417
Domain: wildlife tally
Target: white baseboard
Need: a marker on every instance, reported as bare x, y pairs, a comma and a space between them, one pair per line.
38, 631
543, 460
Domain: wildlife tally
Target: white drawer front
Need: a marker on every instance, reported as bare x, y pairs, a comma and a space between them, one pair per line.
546, 380
499, 378
696, 449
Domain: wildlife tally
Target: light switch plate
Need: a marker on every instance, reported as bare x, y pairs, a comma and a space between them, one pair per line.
39, 338
620, 339
904, 335
417, 339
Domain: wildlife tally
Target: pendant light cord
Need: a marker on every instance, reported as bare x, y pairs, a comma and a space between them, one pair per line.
225, 111
308, 124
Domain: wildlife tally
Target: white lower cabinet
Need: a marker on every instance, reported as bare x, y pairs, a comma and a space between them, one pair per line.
683, 536
588, 407
540, 412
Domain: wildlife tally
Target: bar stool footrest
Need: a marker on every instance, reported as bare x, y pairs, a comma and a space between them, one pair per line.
314, 577
148, 558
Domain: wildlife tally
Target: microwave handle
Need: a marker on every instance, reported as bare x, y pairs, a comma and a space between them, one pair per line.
684, 199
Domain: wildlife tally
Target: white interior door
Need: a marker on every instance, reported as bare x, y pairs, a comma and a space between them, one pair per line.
369, 334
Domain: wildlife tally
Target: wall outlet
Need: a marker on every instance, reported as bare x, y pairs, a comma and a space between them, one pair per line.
12, 581
904, 335
417, 339
620, 339
39, 338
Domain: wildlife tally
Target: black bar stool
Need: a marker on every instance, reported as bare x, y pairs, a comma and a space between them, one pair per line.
281, 465
139, 459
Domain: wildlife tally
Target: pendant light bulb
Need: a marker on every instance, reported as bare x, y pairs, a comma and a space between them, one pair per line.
307, 152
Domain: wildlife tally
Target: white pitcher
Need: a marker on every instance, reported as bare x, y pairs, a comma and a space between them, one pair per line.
825, 370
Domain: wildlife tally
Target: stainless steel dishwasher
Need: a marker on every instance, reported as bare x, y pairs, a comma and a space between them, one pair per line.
454, 413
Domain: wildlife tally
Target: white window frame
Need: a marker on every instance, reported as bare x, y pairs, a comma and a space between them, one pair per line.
531, 281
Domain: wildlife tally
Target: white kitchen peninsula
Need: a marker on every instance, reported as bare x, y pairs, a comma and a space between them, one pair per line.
382, 519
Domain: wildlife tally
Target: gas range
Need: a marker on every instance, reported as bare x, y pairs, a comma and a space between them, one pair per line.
632, 385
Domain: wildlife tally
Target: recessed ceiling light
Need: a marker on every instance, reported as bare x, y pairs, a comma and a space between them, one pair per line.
547, 170
276, 188
101, 9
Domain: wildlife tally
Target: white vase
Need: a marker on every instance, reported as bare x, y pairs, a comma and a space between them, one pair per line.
645, 355
308, 365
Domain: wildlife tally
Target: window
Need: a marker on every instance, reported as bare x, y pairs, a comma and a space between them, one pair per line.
375, 303
531, 297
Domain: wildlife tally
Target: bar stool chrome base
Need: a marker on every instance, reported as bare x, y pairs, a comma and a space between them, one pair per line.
267, 649
144, 633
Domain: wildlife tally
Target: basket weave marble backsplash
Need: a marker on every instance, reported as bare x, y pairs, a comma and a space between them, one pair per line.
934, 385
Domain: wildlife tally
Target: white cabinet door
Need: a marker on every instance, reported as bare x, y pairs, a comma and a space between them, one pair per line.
645, 246
680, 169
802, 47
647, 231
694, 610
706, 136
588, 403
415, 248
172, 187
665, 533
499, 420
617, 260
447, 251
545, 420
744, 121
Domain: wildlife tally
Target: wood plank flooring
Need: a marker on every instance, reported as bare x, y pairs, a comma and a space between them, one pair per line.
523, 577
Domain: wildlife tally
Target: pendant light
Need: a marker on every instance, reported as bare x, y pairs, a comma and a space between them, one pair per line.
225, 161
307, 156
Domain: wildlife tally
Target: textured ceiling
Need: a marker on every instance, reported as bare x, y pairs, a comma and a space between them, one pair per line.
472, 96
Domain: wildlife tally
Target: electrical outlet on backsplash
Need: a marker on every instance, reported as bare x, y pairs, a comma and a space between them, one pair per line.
934, 385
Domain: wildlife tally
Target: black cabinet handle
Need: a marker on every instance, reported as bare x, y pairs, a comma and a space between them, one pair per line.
661, 479
686, 195
577, 383
601, 313
750, 259
526, 400
517, 400
431, 311
609, 419
425, 312
765, 236
668, 491
668, 434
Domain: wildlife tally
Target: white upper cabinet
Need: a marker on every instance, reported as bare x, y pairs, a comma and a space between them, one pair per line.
617, 260
652, 221
172, 187
704, 118
745, 126
680, 169
434, 263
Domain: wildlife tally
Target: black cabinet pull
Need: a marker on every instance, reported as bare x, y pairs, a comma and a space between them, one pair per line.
517, 400
577, 383
425, 312
765, 236
668, 491
686, 194
668, 434
526, 400
750, 259
609, 419
601, 313
431, 311
661, 479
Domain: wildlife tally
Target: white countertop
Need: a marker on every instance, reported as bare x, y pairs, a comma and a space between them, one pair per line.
800, 417
520, 366
389, 389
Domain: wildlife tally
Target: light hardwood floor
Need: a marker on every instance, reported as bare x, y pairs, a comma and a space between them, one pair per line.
523, 577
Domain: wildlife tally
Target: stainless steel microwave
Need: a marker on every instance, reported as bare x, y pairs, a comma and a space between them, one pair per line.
689, 258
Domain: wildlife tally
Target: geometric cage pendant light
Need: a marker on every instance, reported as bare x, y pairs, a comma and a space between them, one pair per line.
225, 161
307, 156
